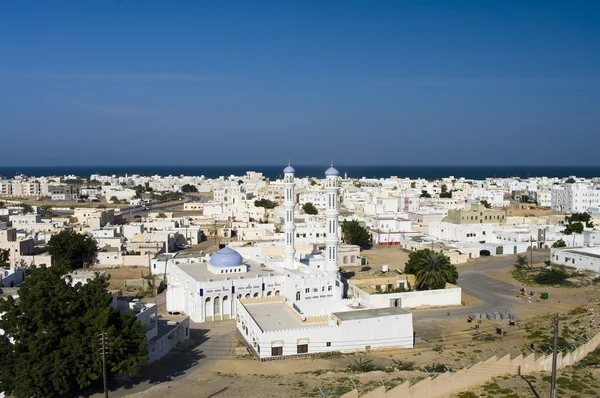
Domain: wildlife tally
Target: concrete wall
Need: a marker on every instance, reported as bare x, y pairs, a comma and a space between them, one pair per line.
450, 296
475, 375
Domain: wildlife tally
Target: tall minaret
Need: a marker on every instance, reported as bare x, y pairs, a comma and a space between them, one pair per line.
332, 213
289, 227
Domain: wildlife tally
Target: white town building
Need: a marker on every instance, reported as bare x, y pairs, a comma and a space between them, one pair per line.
286, 301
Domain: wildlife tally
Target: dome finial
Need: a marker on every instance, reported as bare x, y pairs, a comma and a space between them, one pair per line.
331, 162
289, 163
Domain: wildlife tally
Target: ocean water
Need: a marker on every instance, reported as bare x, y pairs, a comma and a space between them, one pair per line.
353, 171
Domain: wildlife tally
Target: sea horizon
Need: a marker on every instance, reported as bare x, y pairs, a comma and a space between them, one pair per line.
276, 171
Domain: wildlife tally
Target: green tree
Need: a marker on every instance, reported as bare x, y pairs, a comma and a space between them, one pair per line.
574, 228
525, 198
425, 194
485, 204
522, 261
1, 205
559, 243
50, 346
581, 217
444, 188
189, 188
4, 258
72, 248
309, 208
266, 203
570, 180
432, 269
312, 182
353, 233
26, 208
114, 199
162, 215
413, 185
46, 211
446, 195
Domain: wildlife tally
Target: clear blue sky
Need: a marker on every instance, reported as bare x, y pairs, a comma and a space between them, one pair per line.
488, 82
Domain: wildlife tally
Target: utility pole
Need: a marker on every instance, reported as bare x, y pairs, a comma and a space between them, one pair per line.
554, 358
104, 368
531, 254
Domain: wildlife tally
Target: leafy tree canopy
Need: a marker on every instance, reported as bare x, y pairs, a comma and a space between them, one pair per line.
309, 208
353, 233
50, 346
444, 188
114, 199
4, 258
574, 228
580, 217
559, 243
432, 269
446, 195
570, 180
72, 248
425, 194
26, 208
189, 188
46, 211
266, 203
485, 204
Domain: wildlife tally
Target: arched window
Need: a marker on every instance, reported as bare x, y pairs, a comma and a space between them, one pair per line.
217, 306
269, 293
277, 293
255, 294
298, 296
247, 295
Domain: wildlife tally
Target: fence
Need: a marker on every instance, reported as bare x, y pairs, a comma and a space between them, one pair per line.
480, 373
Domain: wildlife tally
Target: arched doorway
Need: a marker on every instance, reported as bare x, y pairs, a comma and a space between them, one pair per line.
298, 295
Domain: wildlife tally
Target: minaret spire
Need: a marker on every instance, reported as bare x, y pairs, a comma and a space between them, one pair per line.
289, 226
332, 213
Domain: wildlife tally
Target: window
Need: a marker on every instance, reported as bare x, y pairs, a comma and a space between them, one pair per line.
322, 288
298, 296
276, 351
302, 349
328, 344
329, 288
307, 290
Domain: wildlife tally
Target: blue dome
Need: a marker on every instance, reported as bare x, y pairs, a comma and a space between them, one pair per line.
226, 257
332, 171
289, 169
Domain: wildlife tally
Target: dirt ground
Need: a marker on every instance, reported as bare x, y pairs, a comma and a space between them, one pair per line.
118, 275
393, 256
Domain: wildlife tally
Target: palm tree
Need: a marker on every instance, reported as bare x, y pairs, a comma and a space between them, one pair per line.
434, 271
522, 261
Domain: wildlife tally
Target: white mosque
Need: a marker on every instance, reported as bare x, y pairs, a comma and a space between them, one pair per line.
286, 303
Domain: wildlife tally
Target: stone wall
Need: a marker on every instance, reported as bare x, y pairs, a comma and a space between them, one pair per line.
480, 373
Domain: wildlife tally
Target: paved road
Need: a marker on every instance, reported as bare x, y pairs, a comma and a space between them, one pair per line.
494, 294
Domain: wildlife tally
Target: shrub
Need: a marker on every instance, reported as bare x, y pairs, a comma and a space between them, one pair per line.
552, 276
402, 365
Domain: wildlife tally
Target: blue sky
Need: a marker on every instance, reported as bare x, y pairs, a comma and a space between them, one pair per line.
257, 82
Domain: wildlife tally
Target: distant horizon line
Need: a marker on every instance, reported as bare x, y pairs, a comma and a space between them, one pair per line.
295, 165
